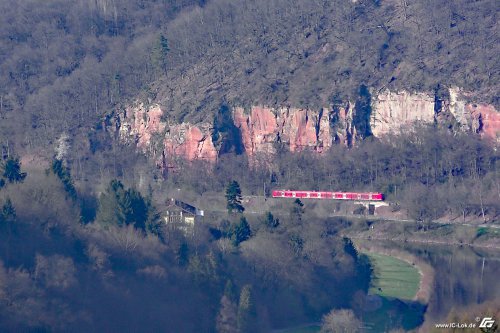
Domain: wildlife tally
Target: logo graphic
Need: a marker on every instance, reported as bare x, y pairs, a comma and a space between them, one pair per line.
487, 322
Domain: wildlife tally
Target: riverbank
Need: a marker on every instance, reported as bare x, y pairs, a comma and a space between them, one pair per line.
425, 271
433, 234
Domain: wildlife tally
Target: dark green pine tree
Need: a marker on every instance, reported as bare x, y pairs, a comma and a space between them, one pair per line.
270, 221
233, 197
118, 206
159, 54
8, 213
297, 210
153, 222
63, 173
241, 232
111, 211
135, 209
12, 170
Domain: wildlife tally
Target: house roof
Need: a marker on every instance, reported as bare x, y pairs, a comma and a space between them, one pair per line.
174, 204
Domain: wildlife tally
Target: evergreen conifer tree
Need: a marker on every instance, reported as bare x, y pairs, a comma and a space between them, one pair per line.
297, 210
159, 54
241, 232
63, 173
270, 221
8, 213
12, 170
233, 197
119, 207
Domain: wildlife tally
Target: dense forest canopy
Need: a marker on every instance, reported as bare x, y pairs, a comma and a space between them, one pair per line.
306, 53
122, 269
84, 245
65, 64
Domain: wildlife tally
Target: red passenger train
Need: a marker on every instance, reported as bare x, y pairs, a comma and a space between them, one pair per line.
367, 196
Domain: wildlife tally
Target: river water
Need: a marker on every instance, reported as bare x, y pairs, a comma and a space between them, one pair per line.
462, 277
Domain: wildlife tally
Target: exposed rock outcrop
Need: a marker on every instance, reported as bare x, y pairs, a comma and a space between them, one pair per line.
192, 142
391, 110
480, 118
298, 129
144, 126
457, 107
342, 124
485, 120
259, 129
140, 123
263, 129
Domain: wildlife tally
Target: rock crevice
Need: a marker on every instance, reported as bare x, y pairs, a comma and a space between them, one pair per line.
262, 129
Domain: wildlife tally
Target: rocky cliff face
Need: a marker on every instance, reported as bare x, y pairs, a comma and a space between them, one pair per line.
140, 123
391, 110
485, 120
263, 128
144, 127
193, 142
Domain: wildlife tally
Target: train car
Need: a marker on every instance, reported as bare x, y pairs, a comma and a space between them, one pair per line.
358, 196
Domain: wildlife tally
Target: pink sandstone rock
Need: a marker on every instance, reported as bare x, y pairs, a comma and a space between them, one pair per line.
142, 123
485, 120
297, 128
325, 139
259, 129
190, 142
345, 132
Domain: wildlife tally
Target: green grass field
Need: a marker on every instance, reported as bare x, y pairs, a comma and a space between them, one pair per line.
397, 282
393, 277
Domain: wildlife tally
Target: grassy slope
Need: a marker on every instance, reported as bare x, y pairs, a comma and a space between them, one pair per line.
393, 277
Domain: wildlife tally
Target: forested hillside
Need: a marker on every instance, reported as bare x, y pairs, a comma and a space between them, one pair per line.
85, 242
309, 53
124, 269
65, 64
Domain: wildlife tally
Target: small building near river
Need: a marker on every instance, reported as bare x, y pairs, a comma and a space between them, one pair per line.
181, 215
